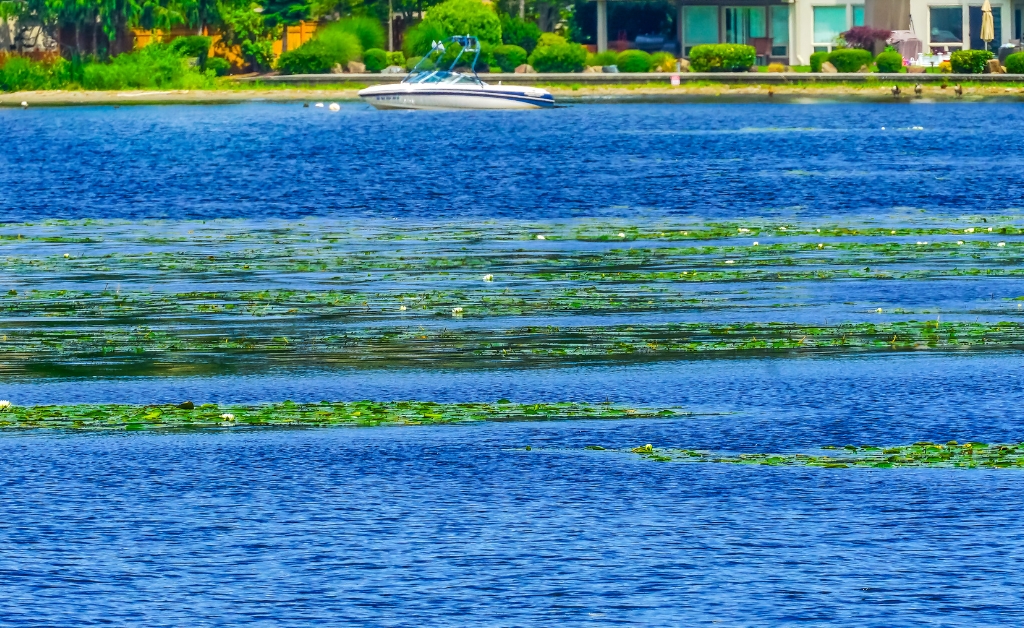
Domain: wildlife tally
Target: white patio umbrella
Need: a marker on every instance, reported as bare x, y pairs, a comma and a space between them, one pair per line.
988, 25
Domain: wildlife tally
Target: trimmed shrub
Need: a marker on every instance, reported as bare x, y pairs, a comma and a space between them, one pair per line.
551, 39
850, 59
517, 32
509, 57
817, 59
776, 67
663, 62
411, 62
375, 60
218, 65
367, 30
889, 62
320, 54
418, 38
1015, 63
197, 46
466, 17
633, 61
969, 61
722, 58
602, 58
396, 58
559, 58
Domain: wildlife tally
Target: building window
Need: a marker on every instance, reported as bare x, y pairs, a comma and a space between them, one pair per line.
701, 26
780, 30
947, 25
742, 23
829, 23
858, 15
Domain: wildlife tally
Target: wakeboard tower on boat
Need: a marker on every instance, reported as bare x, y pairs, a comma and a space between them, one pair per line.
439, 82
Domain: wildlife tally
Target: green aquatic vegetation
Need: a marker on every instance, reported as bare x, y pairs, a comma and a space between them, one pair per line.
173, 349
187, 415
974, 455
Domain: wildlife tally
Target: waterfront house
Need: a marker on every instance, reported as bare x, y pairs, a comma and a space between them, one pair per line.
789, 31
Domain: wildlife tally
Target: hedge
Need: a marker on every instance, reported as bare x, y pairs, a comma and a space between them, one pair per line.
817, 59
969, 61
633, 61
375, 59
509, 57
889, 62
1015, 63
559, 58
850, 59
722, 58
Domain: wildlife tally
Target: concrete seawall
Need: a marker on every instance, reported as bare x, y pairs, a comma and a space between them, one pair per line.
622, 78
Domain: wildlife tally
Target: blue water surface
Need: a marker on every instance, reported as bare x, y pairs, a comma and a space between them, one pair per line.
266, 160
460, 524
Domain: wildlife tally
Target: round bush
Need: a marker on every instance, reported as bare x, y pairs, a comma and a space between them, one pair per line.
633, 61
319, 55
509, 57
607, 57
722, 58
559, 58
1015, 63
969, 61
411, 62
375, 59
889, 62
197, 46
817, 59
849, 59
517, 32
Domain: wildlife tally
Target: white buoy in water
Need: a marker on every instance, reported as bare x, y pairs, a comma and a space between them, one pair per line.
319, 104
335, 107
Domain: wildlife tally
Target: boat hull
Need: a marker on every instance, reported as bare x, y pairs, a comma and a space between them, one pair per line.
471, 97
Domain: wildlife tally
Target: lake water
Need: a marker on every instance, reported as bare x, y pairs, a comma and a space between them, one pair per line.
460, 524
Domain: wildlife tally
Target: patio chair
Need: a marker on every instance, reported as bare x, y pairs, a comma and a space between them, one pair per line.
762, 48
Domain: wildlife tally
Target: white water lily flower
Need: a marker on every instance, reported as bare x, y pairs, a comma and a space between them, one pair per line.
622, 235
456, 311
893, 232
990, 229
819, 230
782, 228
67, 255
4, 405
879, 310
744, 230
402, 308
227, 416
969, 230
730, 261
960, 242
540, 237
488, 277
755, 244
821, 246
1001, 244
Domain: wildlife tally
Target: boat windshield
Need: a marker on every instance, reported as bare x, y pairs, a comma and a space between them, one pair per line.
450, 61
436, 76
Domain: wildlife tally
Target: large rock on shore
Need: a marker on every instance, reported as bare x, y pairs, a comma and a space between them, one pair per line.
828, 68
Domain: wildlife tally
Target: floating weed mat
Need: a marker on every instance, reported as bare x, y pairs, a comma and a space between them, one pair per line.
170, 348
323, 414
921, 454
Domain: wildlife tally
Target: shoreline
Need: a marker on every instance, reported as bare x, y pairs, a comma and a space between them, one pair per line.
566, 93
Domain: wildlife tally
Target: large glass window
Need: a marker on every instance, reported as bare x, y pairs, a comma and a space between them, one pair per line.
780, 30
829, 22
742, 23
701, 25
858, 15
947, 25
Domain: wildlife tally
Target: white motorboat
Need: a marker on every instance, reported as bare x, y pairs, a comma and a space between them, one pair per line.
439, 82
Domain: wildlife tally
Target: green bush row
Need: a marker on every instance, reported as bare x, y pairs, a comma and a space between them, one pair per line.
969, 61
722, 58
